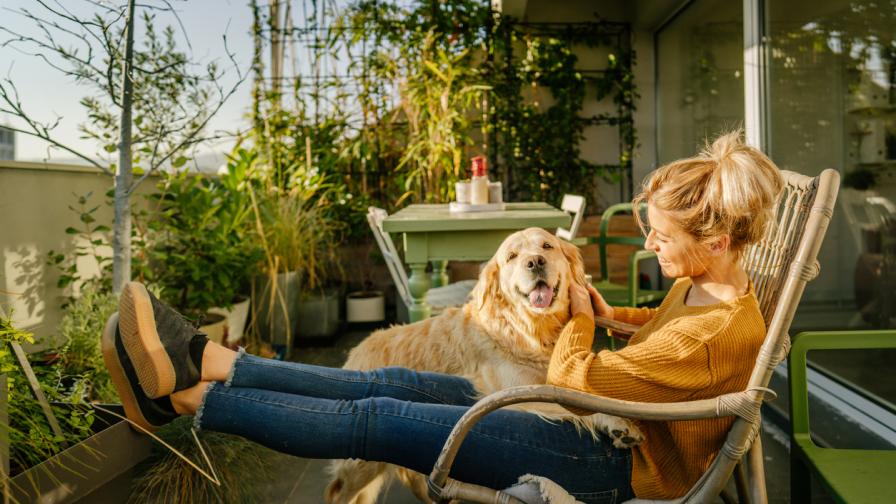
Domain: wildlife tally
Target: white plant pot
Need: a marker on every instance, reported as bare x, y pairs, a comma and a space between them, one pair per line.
365, 306
236, 319
216, 331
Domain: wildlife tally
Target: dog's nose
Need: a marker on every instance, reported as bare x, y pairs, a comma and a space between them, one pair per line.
536, 263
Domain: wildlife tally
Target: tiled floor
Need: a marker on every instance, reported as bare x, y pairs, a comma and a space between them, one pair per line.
303, 481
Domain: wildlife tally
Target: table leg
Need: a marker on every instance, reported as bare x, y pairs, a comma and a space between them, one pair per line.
439, 273
418, 284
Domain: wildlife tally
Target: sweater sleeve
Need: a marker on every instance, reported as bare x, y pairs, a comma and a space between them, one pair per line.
667, 367
636, 316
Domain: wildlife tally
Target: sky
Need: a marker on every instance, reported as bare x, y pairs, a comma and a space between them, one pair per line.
46, 94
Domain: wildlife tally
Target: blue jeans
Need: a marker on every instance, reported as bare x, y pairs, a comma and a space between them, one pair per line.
403, 417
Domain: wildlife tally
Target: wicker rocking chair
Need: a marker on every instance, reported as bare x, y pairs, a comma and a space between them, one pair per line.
779, 266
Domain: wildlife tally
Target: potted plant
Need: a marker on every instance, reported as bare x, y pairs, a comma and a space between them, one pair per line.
322, 281
199, 251
88, 446
298, 242
239, 465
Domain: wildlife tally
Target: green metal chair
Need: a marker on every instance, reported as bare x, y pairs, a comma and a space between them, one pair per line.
628, 294
847, 475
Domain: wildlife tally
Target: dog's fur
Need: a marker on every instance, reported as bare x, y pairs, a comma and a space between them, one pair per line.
497, 340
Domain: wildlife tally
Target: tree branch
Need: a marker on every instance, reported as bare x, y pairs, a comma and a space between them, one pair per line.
14, 107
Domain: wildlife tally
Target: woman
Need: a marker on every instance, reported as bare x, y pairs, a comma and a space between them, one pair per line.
701, 342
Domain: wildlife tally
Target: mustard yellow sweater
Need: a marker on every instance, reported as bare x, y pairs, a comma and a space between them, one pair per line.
681, 353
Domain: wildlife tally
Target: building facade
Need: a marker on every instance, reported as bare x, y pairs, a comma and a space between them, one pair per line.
7, 144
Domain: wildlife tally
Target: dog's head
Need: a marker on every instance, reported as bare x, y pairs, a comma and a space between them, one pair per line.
532, 271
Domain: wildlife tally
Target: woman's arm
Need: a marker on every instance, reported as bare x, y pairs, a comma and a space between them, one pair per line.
636, 316
666, 367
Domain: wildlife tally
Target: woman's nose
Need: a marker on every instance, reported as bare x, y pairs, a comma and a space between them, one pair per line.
650, 243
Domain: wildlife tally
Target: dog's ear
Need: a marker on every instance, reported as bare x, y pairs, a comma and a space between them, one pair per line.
488, 288
574, 257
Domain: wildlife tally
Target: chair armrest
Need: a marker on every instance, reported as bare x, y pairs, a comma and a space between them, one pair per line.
823, 340
690, 410
621, 330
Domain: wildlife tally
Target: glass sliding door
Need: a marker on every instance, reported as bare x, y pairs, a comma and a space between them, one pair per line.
832, 104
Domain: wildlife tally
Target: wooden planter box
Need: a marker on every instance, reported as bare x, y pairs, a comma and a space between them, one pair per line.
96, 470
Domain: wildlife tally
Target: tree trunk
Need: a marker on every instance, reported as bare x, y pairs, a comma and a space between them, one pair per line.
121, 233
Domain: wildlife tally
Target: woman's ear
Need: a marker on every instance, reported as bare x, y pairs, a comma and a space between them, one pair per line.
488, 288
720, 245
574, 257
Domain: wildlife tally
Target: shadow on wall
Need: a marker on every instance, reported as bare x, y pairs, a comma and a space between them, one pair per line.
30, 268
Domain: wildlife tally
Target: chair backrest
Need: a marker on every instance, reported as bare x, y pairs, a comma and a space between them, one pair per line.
779, 265
605, 239
574, 205
375, 217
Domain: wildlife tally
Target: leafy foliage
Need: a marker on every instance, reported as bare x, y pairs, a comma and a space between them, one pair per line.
91, 241
199, 251
429, 85
31, 440
437, 93
291, 224
81, 372
240, 465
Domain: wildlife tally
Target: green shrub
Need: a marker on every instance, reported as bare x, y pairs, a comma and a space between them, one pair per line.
31, 440
81, 369
239, 464
198, 246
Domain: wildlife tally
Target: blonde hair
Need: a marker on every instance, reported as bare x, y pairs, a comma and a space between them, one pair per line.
729, 188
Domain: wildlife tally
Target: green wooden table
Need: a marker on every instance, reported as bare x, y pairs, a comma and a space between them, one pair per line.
430, 233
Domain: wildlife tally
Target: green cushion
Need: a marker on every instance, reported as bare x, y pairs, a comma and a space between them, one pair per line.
852, 475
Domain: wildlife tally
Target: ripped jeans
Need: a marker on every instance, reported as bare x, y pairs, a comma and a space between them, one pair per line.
403, 417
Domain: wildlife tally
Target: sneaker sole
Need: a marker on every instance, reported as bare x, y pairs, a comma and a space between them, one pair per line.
119, 378
141, 341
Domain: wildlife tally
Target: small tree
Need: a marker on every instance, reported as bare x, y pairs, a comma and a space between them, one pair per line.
149, 102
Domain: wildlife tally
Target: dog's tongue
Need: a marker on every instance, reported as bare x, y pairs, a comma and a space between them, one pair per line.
541, 296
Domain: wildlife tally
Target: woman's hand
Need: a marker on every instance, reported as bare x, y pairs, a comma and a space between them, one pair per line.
601, 307
588, 301
580, 301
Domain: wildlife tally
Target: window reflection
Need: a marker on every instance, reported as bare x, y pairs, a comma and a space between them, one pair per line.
700, 88
832, 103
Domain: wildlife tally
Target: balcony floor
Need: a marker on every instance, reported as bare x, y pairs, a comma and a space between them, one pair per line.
303, 480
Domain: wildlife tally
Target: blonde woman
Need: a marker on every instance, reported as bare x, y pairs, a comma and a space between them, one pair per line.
699, 343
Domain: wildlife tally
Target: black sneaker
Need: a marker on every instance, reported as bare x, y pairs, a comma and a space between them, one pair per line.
157, 340
138, 408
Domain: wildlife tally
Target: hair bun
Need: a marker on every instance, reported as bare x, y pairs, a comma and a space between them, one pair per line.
729, 188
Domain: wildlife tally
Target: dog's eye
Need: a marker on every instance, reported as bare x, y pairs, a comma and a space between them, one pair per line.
511, 256
547, 246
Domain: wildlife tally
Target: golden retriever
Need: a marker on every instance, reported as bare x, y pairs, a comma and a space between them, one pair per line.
503, 337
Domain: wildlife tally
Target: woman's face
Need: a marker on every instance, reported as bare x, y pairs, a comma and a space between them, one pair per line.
678, 253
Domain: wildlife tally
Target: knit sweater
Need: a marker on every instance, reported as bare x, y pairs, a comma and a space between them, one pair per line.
681, 353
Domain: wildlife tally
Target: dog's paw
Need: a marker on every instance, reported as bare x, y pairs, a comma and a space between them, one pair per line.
623, 432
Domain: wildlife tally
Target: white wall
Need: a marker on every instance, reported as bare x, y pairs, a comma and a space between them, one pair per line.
34, 213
